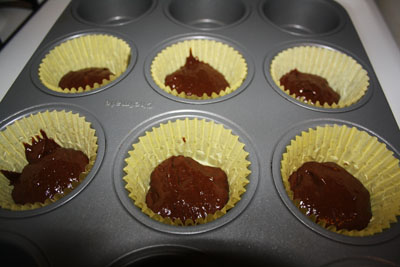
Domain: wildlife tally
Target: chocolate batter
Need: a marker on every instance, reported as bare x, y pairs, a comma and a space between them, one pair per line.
333, 195
83, 77
180, 187
51, 170
313, 87
196, 78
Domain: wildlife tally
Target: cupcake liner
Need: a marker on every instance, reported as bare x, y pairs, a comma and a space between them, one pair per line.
67, 129
229, 62
205, 141
360, 154
94, 50
343, 73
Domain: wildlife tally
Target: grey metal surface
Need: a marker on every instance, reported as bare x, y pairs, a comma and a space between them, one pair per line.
96, 226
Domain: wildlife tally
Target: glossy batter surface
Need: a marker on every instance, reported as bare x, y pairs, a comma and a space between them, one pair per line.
180, 187
196, 78
84, 77
51, 169
333, 195
312, 87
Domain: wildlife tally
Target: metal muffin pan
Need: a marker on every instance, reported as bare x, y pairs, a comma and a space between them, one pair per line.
98, 227
206, 15
19, 251
301, 18
108, 13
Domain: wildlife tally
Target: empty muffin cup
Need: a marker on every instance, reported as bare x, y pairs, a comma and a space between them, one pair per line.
343, 74
110, 12
84, 52
360, 154
222, 57
16, 250
205, 141
310, 17
197, 13
67, 129
165, 254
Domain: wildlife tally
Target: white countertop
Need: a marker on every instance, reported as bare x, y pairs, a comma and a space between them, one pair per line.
372, 29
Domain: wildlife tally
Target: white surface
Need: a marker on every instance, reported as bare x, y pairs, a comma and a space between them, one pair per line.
380, 46
375, 36
390, 11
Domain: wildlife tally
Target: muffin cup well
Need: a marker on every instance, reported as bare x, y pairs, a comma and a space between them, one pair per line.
86, 51
344, 74
360, 154
312, 17
196, 14
205, 141
111, 13
222, 57
67, 129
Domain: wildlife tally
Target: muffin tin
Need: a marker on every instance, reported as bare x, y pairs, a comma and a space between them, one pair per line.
98, 225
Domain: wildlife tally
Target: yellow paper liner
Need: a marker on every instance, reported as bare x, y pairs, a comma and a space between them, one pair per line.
360, 154
221, 57
93, 50
67, 129
205, 141
343, 73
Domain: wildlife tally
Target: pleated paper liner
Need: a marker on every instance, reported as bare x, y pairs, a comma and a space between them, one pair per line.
87, 51
205, 141
344, 74
360, 154
67, 129
222, 57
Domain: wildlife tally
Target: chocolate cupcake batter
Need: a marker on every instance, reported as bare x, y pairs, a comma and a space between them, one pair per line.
196, 78
331, 194
312, 87
83, 77
180, 187
51, 170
